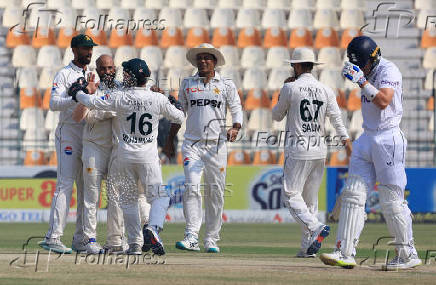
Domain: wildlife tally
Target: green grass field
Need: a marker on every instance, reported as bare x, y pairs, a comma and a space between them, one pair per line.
251, 254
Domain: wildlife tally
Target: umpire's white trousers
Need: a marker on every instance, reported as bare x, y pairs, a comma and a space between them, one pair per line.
211, 158
302, 179
95, 166
68, 144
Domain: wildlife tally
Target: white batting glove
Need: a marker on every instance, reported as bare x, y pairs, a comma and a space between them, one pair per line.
353, 73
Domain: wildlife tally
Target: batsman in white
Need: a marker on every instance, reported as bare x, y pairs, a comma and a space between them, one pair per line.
378, 155
68, 143
205, 98
138, 110
307, 102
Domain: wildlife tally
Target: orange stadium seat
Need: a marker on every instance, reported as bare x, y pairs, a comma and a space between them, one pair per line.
249, 37
341, 99
238, 157
281, 160
17, 37
145, 38
354, 102
348, 35
196, 36
300, 37
339, 158
257, 98
428, 39
326, 37
53, 161
46, 99
64, 37
264, 157
223, 37
430, 104
34, 158
172, 36
274, 37
30, 97
98, 36
120, 37
43, 36
275, 98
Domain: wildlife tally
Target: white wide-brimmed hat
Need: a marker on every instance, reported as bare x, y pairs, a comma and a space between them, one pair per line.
191, 55
303, 55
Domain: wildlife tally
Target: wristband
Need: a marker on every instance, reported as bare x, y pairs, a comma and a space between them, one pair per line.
370, 91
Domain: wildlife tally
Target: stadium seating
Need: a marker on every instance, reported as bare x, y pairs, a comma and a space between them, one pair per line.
264, 157
238, 157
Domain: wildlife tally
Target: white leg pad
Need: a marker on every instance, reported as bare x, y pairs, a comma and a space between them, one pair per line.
394, 212
352, 215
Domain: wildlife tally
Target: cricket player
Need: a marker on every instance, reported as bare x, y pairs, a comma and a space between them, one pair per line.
97, 148
205, 98
68, 143
306, 102
378, 155
138, 110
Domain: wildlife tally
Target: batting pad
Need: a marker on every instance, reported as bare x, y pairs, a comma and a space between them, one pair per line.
352, 214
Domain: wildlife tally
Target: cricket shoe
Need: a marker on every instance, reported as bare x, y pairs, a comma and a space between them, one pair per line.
55, 245
78, 246
188, 243
134, 249
303, 254
93, 247
146, 246
114, 249
151, 237
399, 263
317, 238
211, 247
338, 259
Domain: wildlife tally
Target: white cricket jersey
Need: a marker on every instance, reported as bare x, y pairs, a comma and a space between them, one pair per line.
138, 112
98, 127
307, 102
385, 75
59, 99
205, 106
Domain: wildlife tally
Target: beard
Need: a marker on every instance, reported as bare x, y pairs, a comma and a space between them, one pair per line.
108, 80
83, 60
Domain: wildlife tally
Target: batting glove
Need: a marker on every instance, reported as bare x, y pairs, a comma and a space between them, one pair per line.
353, 73
175, 102
79, 85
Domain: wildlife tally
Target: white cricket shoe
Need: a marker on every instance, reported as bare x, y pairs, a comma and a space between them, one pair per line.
317, 238
93, 247
78, 246
188, 243
134, 249
399, 263
55, 245
303, 254
211, 247
338, 259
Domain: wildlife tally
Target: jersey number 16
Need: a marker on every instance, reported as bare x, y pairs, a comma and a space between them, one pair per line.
141, 123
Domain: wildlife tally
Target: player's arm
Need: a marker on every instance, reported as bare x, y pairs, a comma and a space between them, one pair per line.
59, 100
172, 111
99, 101
79, 113
95, 116
281, 108
334, 114
381, 97
235, 108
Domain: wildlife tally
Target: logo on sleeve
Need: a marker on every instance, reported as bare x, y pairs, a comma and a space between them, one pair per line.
68, 150
55, 85
186, 161
105, 97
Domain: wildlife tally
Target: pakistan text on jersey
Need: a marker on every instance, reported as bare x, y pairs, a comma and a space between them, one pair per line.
206, 102
133, 139
139, 105
310, 91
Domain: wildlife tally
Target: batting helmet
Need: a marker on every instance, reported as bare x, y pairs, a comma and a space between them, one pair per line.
362, 50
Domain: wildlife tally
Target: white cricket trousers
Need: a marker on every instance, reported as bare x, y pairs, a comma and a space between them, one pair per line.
68, 142
302, 179
115, 219
95, 166
209, 157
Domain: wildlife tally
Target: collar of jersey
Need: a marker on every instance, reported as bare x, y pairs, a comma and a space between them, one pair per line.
76, 68
217, 76
306, 74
